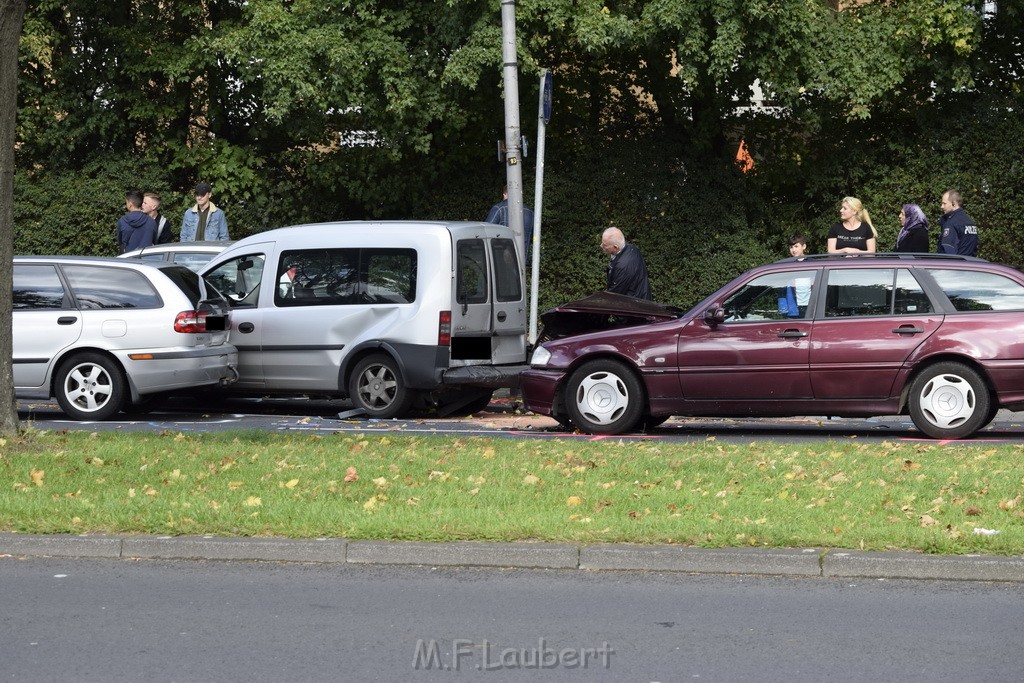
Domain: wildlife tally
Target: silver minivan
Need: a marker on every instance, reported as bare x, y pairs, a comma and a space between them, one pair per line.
392, 314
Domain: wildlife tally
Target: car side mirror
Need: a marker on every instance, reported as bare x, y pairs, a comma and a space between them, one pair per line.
714, 316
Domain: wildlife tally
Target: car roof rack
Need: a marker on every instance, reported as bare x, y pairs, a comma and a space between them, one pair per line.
884, 255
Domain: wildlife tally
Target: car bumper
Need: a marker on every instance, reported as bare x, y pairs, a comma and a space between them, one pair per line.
173, 369
538, 389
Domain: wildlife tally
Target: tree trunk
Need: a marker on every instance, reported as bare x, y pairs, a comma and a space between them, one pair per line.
11, 14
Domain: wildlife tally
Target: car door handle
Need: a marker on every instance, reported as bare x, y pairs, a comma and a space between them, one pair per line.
246, 328
793, 334
501, 316
908, 329
67, 320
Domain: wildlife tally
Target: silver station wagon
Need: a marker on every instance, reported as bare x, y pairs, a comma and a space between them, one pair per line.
193, 255
105, 334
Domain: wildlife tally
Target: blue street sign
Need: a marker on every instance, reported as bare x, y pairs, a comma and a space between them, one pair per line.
548, 85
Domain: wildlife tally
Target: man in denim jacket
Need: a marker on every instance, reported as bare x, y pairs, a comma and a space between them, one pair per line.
204, 221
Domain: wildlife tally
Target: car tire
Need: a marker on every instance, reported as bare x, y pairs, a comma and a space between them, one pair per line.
378, 388
604, 397
949, 401
90, 386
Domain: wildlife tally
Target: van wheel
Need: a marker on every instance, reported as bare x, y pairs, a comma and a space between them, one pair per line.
90, 386
377, 387
949, 401
604, 397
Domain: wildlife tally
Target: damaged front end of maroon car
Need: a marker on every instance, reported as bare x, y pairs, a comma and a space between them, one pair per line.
602, 311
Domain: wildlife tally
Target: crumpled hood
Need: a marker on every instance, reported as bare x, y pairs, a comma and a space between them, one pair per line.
602, 311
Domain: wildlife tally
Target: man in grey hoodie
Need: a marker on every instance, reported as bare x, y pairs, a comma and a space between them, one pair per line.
135, 229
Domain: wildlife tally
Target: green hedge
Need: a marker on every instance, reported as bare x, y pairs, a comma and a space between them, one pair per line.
698, 222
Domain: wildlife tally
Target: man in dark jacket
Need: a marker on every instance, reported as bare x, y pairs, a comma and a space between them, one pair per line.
627, 271
499, 215
959, 231
135, 229
151, 207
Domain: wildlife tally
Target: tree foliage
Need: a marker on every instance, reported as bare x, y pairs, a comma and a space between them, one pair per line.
305, 110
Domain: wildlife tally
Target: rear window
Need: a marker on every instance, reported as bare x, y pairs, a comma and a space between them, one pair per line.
35, 287
100, 287
191, 284
970, 290
471, 272
506, 270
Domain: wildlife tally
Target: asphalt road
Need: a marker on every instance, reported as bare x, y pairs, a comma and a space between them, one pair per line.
502, 419
91, 620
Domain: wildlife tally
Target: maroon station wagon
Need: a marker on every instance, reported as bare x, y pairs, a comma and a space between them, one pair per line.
939, 337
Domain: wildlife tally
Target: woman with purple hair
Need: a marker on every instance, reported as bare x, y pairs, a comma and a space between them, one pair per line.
913, 237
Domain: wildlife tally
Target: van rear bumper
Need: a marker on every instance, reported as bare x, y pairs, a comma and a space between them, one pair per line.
486, 376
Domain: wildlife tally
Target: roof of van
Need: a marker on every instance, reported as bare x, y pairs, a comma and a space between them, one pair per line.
385, 225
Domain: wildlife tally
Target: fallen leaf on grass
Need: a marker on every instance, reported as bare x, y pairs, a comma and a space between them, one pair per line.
531, 479
37, 476
927, 520
573, 501
350, 475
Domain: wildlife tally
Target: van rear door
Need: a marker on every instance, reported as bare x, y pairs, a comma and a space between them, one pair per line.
489, 320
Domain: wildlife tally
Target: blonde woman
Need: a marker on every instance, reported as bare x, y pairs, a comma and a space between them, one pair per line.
854, 233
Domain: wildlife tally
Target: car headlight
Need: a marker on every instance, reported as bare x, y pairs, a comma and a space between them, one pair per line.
541, 356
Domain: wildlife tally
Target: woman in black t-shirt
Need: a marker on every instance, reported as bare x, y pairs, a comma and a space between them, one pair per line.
854, 233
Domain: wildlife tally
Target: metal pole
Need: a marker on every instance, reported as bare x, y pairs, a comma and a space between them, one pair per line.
513, 136
538, 204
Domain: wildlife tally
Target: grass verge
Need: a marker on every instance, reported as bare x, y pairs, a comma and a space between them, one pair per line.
846, 494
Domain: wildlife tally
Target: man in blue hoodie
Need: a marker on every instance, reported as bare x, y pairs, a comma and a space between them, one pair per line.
959, 231
135, 229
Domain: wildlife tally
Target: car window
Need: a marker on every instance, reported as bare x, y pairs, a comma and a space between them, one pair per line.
471, 272
37, 286
910, 298
776, 296
506, 270
346, 277
190, 283
239, 279
193, 260
99, 287
859, 291
970, 290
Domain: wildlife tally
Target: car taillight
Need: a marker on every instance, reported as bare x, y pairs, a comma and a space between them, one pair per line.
444, 329
190, 322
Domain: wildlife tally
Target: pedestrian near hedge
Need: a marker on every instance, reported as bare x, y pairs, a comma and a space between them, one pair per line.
913, 235
499, 216
627, 270
959, 231
204, 221
798, 245
151, 207
854, 233
135, 229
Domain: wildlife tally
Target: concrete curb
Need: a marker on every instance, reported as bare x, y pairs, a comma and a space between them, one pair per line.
601, 557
